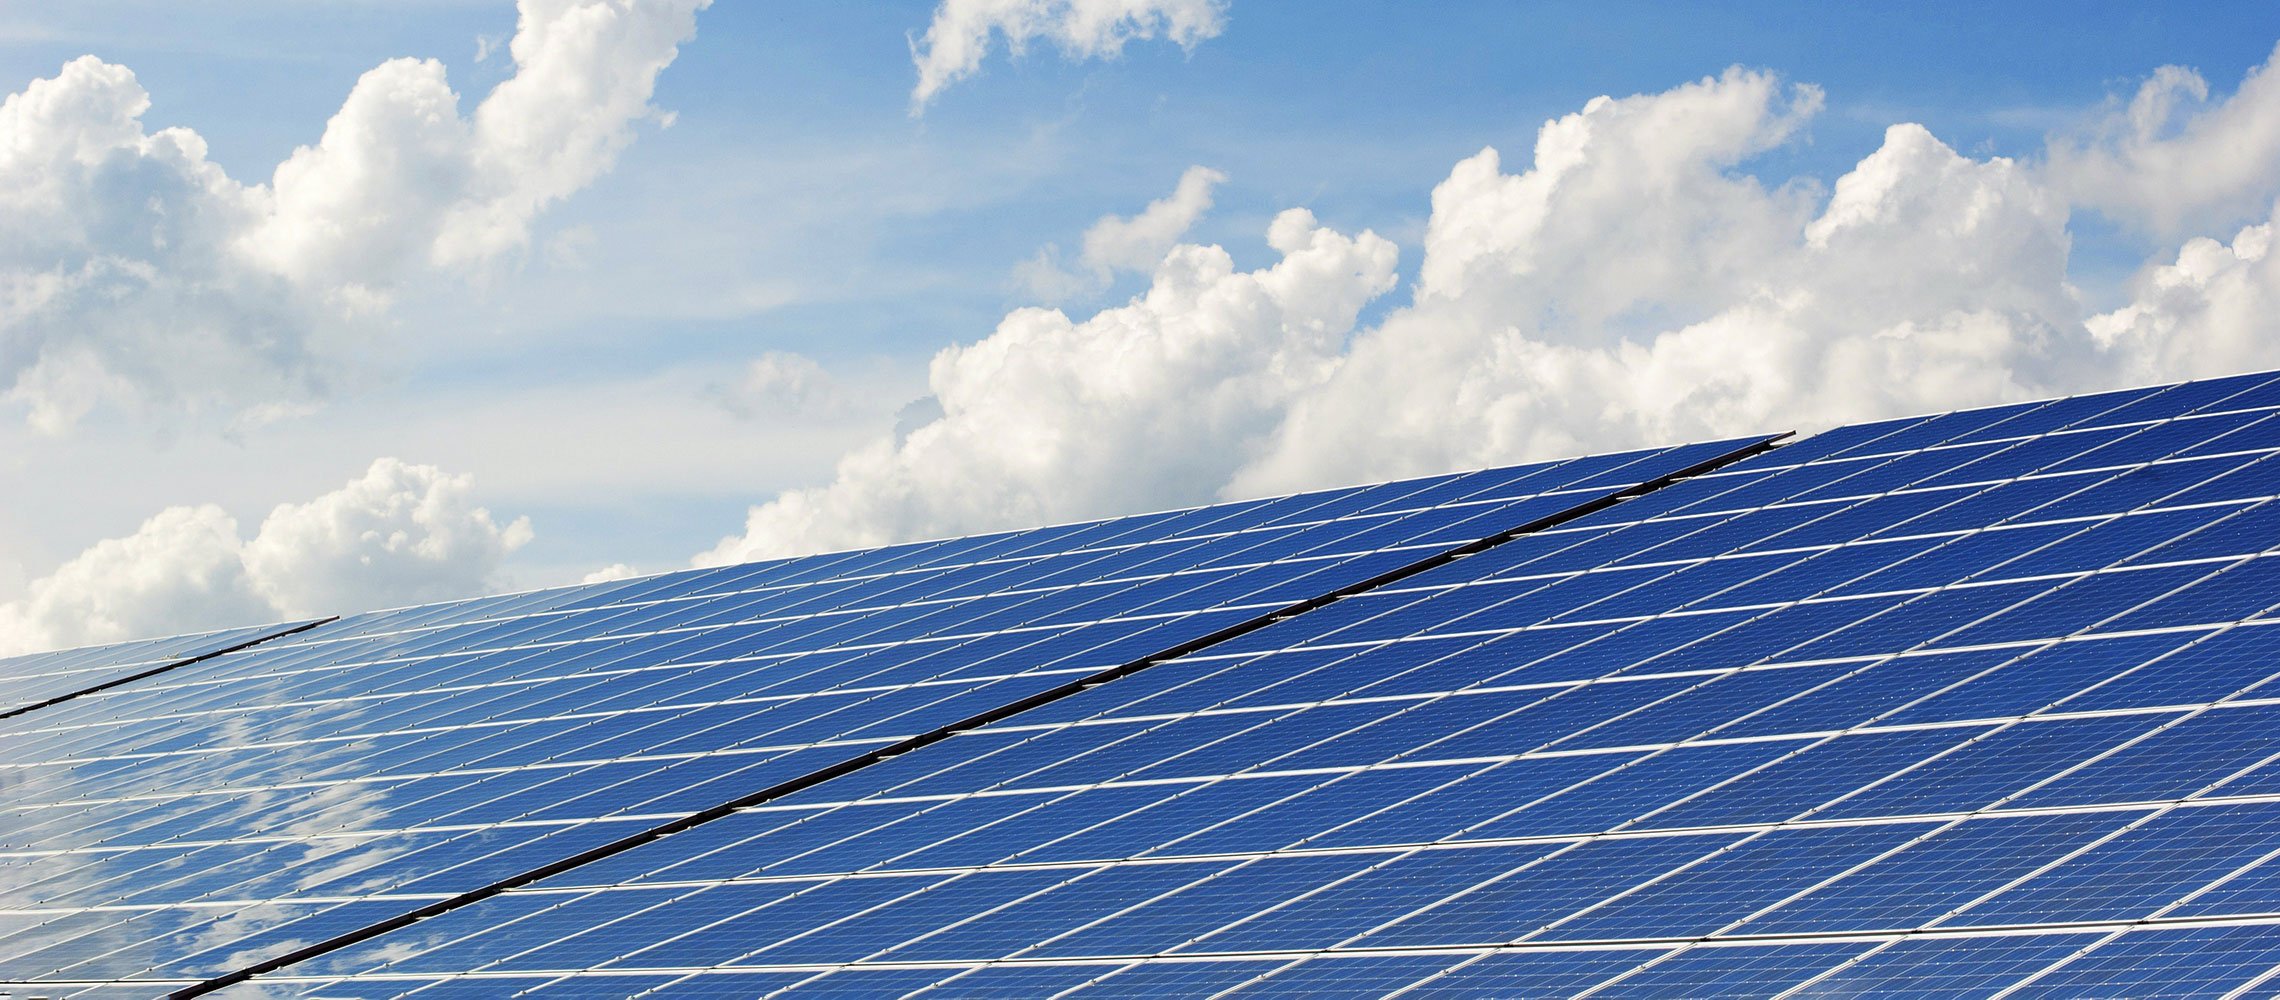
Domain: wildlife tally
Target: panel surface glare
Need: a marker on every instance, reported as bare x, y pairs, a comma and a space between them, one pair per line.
1952, 705
242, 807
31, 679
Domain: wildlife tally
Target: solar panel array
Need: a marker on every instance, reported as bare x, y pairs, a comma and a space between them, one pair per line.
1970, 704
240, 807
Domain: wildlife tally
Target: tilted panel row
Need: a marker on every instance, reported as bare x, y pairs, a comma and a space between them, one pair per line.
247, 806
1958, 705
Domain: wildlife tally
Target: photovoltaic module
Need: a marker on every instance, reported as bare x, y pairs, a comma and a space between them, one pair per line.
1973, 704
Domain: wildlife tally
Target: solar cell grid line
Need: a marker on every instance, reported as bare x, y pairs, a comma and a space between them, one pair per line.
1428, 528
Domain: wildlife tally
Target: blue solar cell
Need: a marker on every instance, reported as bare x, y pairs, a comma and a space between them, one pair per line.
1991, 768
1947, 560
1725, 889
1361, 978
1482, 796
522, 720
2206, 666
1944, 871
1014, 982
2034, 679
1729, 971
2232, 532
1546, 973
1948, 428
861, 982
1395, 886
1155, 980
603, 987
1877, 690
2254, 889
1323, 804
1084, 899
1632, 791
1943, 967
1798, 777
1534, 896
2165, 963
2087, 602
2239, 591
2170, 856
2191, 755
1165, 923
1693, 712
2213, 480
2214, 395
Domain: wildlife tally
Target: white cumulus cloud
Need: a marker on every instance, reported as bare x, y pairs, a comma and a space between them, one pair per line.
1123, 244
960, 36
1146, 404
135, 272
1928, 281
1631, 284
2209, 312
398, 534
2174, 163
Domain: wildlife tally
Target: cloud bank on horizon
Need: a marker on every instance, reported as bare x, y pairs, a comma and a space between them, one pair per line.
1631, 285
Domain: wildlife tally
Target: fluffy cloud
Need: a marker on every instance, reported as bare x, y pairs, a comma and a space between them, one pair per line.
1048, 418
1631, 207
1632, 284
2210, 312
1928, 281
959, 38
119, 277
135, 272
1119, 243
398, 534
2171, 162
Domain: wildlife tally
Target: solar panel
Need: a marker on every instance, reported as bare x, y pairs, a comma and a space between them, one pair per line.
1966, 704
1961, 704
242, 807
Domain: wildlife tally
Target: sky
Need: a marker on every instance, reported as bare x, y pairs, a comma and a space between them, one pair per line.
308, 308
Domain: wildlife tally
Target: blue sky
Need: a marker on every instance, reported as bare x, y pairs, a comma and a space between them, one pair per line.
795, 214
